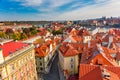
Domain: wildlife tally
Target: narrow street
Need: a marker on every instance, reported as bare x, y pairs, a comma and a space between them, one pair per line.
55, 72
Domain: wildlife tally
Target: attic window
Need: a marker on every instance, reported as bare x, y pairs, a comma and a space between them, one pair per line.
16, 49
10, 52
113, 48
106, 75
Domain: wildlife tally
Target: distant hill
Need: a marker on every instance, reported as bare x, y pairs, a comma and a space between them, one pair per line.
26, 22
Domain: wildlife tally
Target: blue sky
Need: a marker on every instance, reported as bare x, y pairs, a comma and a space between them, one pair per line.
57, 9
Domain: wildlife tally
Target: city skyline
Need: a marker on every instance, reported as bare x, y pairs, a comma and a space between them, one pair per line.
13, 10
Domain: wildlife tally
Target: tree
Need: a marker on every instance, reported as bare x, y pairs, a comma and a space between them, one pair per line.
34, 32
54, 32
32, 28
3, 35
23, 36
16, 36
9, 32
26, 31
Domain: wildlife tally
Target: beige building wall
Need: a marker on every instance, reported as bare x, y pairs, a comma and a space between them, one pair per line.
61, 60
69, 63
20, 66
42, 62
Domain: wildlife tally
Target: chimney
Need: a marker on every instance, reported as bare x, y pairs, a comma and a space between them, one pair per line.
100, 48
110, 41
88, 44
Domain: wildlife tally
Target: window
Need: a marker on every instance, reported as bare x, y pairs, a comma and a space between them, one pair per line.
40, 63
29, 77
71, 59
14, 78
27, 67
41, 69
71, 65
48, 59
113, 48
3, 72
40, 58
31, 55
12, 67
26, 59
35, 78
20, 62
0, 76
21, 72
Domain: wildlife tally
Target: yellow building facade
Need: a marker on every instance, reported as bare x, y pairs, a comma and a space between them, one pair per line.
18, 64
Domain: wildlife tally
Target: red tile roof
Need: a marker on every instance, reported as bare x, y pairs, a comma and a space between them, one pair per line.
94, 72
41, 51
42, 32
71, 49
81, 32
118, 56
115, 38
97, 56
99, 35
67, 50
76, 39
11, 47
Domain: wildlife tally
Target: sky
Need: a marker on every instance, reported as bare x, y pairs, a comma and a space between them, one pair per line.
18, 10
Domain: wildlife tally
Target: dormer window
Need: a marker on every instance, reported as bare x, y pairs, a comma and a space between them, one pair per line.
105, 74
10, 52
113, 48
17, 49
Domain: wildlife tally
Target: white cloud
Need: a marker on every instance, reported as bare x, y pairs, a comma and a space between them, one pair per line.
43, 5
51, 3
99, 1
29, 2
57, 3
110, 8
101, 8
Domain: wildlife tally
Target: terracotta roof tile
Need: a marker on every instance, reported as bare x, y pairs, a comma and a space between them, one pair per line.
41, 51
118, 56
11, 47
96, 56
71, 49
94, 72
